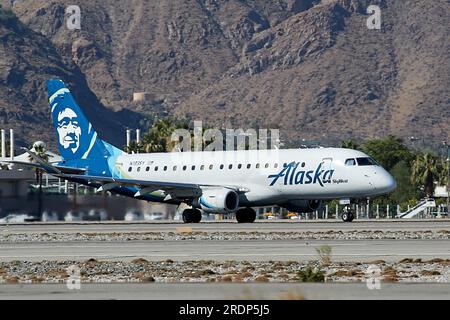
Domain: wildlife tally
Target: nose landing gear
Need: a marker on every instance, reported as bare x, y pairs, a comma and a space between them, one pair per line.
348, 215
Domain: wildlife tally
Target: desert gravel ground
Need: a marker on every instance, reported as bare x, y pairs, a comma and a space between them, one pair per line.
140, 270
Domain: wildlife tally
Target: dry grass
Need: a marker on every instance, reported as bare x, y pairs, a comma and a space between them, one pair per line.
430, 273
324, 253
12, 280
143, 277
139, 261
37, 279
92, 262
184, 230
246, 274
444, 262
262, 278
348, 273
57, 273
339, 273
390, 274
226, 278
292, 296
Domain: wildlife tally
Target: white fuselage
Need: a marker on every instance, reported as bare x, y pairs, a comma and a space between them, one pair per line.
266, 176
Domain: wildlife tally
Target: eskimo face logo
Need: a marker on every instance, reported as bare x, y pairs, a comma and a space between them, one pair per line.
69, 130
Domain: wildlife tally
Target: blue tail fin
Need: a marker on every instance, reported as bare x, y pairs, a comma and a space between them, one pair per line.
77, 139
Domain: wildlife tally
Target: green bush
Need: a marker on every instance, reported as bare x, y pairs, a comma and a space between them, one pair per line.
311, 275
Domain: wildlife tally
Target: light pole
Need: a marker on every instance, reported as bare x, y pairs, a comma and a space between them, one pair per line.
448, 175
448, 180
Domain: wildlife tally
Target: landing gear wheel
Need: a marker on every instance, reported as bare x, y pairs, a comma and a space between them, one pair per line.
347, 217
246, 215
251, 215
196, 216
187, 216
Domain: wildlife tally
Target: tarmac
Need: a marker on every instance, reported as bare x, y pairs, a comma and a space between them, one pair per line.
252, 250
229, 291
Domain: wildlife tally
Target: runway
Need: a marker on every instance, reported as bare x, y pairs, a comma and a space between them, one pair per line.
40, 242
223, 291
255, 250
390, 250
231, 226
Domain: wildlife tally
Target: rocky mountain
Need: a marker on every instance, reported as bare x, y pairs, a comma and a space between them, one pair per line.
309, 67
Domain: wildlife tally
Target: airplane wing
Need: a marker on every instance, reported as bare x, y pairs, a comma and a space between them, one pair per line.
172, 190
45, 167
49, 168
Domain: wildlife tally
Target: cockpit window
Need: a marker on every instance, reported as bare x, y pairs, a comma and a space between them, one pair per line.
366, 162
350, 162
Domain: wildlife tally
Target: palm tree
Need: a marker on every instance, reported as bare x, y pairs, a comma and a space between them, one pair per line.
134, 147
39, 150
158, 139
425, 170
443, 177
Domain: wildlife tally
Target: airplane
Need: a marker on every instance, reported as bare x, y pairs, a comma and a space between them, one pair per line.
215, 182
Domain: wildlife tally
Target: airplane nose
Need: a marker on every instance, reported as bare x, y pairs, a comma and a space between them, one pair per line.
386, 183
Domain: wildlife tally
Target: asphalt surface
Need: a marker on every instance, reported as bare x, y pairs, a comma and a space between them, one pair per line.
213, 291
252, 250
230, 226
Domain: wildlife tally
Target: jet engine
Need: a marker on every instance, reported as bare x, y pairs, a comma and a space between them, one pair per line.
302, 206
217, 200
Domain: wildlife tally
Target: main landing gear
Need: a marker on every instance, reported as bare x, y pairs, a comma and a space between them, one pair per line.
192, 216
246, 215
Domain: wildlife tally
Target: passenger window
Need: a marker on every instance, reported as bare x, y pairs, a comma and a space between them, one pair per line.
202, 167
147, 169
138, 169
257, 166
184, 168
249, 166
221, 166
266, 166
156, 168
130, 169
174, 168
230, 166
211, 167
275, 165
193, 167
239, 166
350, 162
165, 168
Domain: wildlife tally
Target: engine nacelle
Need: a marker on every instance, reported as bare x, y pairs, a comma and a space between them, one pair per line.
302, 206
217, 200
